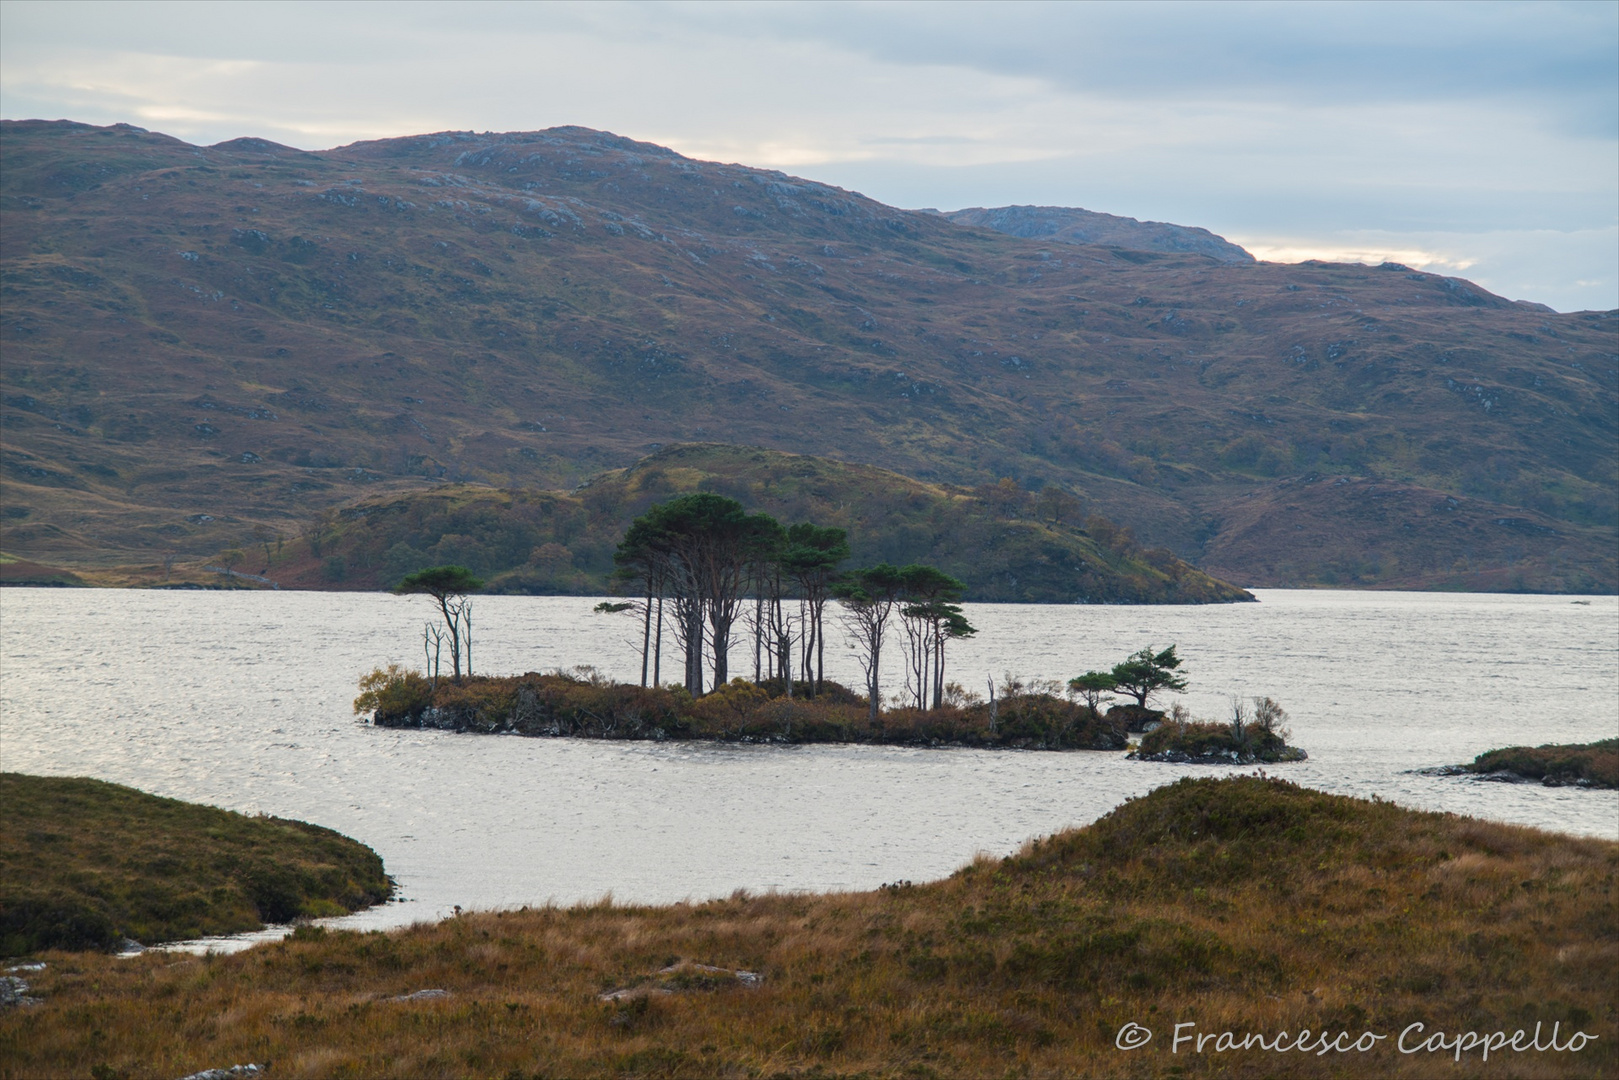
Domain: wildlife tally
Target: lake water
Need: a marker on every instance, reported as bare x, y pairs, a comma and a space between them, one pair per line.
242, 700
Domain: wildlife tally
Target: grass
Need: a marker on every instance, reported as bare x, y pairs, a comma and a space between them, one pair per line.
1587, 764
85, 864
1239, 904
588, 706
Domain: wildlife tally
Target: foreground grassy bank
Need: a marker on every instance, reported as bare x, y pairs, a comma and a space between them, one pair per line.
740, 711
1245, 905
1567, 765
85, 864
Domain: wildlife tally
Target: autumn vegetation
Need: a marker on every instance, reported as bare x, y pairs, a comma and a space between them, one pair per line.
1243, 904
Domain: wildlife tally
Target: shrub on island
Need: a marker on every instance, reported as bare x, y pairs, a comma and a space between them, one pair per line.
1246, 739
583, 704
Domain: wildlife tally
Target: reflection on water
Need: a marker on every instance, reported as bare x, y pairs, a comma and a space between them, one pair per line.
241, 699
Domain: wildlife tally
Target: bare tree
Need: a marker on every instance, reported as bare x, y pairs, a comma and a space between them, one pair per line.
448, 586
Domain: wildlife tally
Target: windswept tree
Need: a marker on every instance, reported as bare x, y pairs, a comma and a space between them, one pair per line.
701, 547
1092, 687
931, 617
449, 587
810, 559
1145, 673
868, 598
641, 559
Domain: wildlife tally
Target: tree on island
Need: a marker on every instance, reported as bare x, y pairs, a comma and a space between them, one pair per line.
698, 548
931, 617
448, 586
868, 597
1145, 673
811, 560
1092, 686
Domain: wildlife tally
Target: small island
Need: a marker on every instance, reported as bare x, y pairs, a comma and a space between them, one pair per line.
702, 569
1253, 735
89, 865
1585, 765
583, 704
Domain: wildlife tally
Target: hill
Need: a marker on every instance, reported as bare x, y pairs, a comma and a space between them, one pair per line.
1003, 542
202, 343
1241, 905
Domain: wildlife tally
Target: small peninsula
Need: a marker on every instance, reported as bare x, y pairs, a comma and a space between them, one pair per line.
86, 864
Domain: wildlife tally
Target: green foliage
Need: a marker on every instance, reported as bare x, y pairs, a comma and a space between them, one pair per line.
439, 582
1092, 686
1145, 673
84, 864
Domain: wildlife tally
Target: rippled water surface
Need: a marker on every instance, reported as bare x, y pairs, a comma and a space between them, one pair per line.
242, 699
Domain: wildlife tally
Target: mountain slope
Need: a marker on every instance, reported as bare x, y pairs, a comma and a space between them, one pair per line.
1071, 225
201, 342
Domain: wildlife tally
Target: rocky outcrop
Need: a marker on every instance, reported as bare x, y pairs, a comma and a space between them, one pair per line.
1071, 225
1221, 757
1134, 718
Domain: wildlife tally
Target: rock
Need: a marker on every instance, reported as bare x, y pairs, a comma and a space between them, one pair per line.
14, 991
423, 995
686, 976
1134, 717
235, 1072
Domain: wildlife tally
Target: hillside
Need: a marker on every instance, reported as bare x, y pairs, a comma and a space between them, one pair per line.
202, 344
1005, 544
1240, 905
85, 864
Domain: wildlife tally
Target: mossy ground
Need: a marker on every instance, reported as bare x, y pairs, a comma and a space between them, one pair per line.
1238, 904
84, 864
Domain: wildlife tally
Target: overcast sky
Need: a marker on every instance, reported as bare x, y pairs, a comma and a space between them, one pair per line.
1479, 139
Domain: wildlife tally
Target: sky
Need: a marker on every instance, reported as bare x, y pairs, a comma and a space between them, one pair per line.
1475, 139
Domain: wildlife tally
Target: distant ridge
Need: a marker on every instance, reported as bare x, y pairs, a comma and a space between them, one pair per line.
1071, 225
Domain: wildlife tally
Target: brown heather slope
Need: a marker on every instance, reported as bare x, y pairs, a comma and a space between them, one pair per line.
201, 341
1232, 905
